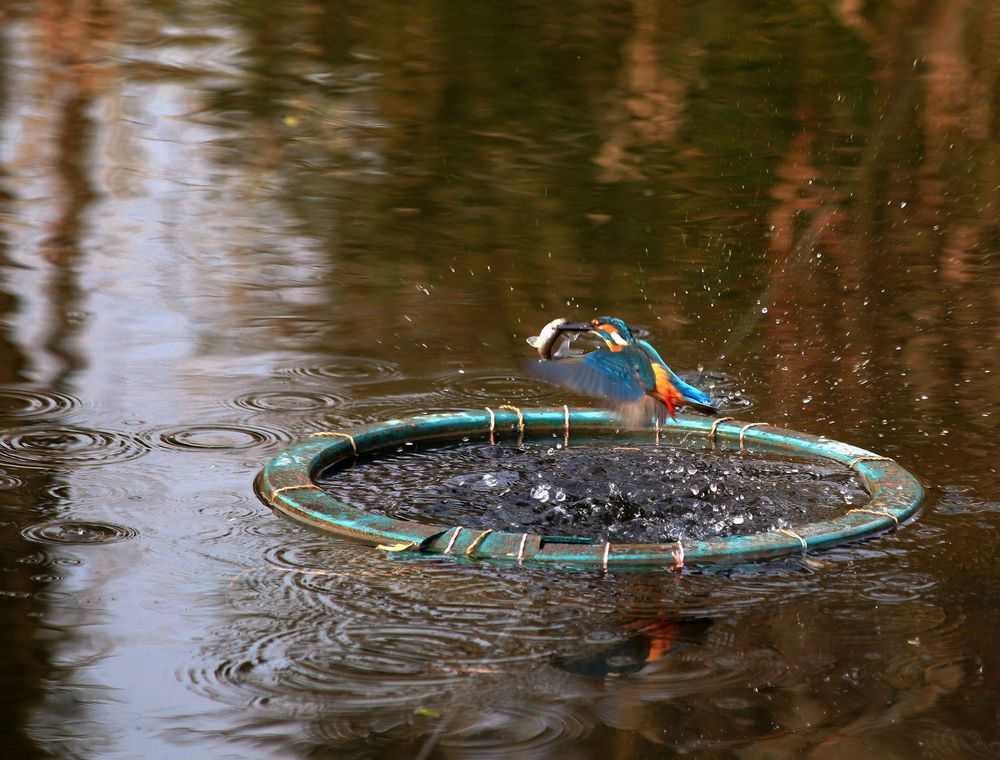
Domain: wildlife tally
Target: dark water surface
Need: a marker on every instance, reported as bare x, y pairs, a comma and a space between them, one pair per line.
638, 493
224, 225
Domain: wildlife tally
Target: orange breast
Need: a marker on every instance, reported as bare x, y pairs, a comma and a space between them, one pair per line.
664, 387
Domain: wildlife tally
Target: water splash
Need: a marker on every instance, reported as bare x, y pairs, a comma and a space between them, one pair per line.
635, 494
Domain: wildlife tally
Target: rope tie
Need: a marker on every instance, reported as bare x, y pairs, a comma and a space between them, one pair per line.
882, 513
276, 491
566, 412
868, 458
520, 422
479, 539
796, 536
604, 557
713, 435
401, 547
354, 445
657, 431
493, 425
520, 549
451, 543
678, 555
745, 428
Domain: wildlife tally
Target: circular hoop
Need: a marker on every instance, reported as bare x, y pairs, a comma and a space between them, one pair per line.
287, 484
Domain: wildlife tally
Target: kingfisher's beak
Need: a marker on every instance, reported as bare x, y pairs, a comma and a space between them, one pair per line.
575, 327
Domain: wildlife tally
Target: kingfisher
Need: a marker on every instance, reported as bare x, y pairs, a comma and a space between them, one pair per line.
627, 373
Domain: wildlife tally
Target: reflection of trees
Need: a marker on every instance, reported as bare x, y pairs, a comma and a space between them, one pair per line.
52, 149
653, 99
635, 149
25, 662
903, 240
74, 41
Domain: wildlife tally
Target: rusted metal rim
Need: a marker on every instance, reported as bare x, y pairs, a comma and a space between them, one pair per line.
287, 484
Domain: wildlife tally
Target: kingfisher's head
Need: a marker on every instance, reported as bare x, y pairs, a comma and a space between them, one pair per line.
613, 331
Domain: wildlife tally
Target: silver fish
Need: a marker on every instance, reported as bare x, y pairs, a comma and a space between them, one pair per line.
549, 338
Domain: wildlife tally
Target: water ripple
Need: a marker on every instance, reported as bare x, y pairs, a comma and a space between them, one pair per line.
214, 438
9, 482
726, 390
77, 532
26, 403
288, 401
489, 387
103, 491
348, 369
48, 447
516, 730
381, 408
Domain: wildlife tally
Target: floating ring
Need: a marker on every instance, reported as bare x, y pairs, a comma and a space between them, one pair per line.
287, 484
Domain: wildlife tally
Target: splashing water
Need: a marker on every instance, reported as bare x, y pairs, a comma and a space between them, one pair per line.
634, 494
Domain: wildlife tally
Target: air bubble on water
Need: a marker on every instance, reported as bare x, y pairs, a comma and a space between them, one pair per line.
540, 493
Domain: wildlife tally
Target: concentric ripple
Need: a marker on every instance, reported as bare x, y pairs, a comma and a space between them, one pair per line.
77, 532
490, 387
381, 408
348, 369
727, 391
48, 447
9, 482
298, 664
517, 730
201, 438
24, 403
287, 401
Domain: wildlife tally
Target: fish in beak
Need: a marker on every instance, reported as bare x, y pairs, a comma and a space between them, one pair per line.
561, 332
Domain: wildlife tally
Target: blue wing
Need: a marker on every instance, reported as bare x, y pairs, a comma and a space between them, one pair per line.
692, 395
621, 379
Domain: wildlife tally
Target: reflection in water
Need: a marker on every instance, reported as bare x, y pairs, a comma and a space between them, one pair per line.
225, 225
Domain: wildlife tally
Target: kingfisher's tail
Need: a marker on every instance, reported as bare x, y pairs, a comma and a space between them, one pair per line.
693, 397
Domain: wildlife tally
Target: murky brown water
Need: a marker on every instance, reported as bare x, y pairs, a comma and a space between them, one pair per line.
225, 225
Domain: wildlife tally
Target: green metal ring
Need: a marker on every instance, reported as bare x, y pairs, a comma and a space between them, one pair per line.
287, 485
